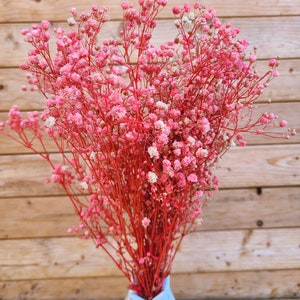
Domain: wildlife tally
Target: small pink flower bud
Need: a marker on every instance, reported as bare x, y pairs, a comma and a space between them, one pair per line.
146, 222
264, 120
73, 11
60, 44
192, 178
252, 58
187, 7
94, 7
176, 10
125, 5
239, 136
162, 2
141, 260
196, 5
207, 16
25, 31
273, 63
242, 143
283, 123
45, 25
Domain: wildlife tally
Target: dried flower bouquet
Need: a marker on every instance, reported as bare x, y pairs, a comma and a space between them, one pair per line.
141, 127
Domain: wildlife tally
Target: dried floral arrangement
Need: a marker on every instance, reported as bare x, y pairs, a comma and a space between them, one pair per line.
139, 127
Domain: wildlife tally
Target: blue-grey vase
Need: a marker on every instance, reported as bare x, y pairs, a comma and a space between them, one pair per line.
165, 294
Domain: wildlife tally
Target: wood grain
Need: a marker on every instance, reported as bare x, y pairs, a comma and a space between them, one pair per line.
253, 208
237, 285
265, 249
281, 284
248, 246
233, 250
10, 146
271, 37
30, 11
24, 175
11, 82
260, 166
30, 217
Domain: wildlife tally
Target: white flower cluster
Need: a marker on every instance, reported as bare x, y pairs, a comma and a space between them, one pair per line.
152, 177
153, 153
50, 122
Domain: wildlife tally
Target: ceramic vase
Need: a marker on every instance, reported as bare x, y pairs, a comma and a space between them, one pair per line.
166, 293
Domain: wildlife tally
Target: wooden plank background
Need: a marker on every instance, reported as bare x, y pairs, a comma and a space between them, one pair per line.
249, 244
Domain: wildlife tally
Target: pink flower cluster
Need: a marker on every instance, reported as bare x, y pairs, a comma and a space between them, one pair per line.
140, 127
